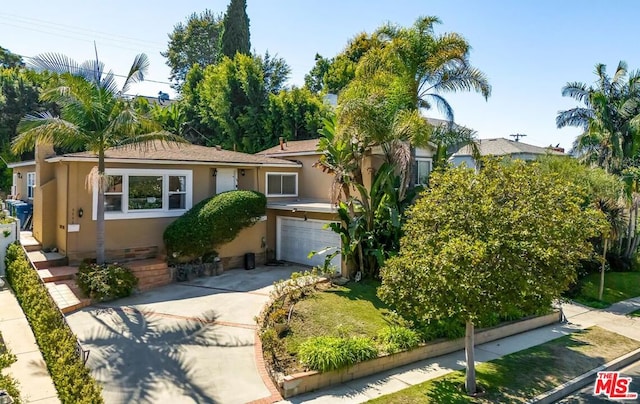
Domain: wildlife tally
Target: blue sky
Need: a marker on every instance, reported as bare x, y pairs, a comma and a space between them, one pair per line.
528, 49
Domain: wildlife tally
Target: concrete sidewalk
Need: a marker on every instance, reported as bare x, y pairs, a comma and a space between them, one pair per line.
29, 370
579, 317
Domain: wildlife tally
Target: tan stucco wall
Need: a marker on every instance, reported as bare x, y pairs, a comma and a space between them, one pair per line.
250, 240
121, 234
21, 182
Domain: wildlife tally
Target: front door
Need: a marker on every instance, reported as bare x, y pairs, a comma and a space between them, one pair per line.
226, 180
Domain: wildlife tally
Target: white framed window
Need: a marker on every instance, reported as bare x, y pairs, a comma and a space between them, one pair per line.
31, 184
282, 184
421, 170
145, 193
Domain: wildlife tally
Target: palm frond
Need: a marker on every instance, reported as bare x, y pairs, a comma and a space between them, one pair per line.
46, 128
442, 105
56, 63
578, 91
578, 116
136, 72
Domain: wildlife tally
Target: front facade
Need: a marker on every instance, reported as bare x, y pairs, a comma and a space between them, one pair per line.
147, 189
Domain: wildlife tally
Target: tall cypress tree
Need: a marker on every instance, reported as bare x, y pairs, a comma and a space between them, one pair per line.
235, 37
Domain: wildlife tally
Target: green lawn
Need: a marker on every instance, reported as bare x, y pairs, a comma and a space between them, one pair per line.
353, 309
617, 286
7, 383
523, 375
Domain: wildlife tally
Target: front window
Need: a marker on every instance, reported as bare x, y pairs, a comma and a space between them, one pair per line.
282, 184
31, 185
139, 193
422, 169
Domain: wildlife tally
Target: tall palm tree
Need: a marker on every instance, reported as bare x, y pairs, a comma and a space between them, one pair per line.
608, 117
408, 72
94, 116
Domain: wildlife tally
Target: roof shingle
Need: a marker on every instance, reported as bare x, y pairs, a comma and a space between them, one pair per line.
179, 152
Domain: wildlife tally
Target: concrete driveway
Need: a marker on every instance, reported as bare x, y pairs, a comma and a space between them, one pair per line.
188, 342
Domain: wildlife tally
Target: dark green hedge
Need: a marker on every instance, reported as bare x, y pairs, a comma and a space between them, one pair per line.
56, 341
211, 223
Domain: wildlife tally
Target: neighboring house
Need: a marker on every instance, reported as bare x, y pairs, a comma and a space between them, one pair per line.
297, 223
149, 187
501, 147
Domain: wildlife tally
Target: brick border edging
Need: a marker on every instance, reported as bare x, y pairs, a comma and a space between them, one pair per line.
579, 382
264, 374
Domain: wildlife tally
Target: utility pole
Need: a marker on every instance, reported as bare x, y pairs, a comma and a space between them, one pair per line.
518, 136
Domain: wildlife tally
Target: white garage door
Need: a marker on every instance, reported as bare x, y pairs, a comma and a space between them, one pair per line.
297, 237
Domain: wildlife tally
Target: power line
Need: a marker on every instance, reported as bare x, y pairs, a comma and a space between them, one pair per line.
16, 19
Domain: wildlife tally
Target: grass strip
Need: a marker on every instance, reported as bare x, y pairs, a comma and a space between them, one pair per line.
518, 377
618, 286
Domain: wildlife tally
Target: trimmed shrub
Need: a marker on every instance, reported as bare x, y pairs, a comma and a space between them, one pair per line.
330, 353
396, 339
55, 339
212, 222
106, 282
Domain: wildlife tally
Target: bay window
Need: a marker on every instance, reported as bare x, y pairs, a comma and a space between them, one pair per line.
146, 193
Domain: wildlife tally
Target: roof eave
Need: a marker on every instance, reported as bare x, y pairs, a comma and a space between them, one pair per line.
168, 162
21, 164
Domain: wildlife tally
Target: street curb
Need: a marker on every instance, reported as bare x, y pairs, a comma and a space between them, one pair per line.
579, 382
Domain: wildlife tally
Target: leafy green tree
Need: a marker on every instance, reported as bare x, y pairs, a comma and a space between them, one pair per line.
234, 101
8, 59
476, 244
296, 114
332, 75
236, 36
195, 41
93, 117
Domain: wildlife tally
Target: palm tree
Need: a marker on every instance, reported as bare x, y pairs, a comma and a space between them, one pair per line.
408, 72
425, 64
94, 116
616, 218
608, 117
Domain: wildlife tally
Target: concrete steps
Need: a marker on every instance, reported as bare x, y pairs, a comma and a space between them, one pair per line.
45, 260
55, 274
29, 242
67, 295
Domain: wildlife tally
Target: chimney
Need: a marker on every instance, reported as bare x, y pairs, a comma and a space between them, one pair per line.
281, 143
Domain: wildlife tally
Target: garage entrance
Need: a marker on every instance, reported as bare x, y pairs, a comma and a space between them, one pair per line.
296, 237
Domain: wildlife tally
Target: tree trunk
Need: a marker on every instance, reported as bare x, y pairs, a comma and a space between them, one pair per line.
470, 381
100, 211
631, 230
604, 262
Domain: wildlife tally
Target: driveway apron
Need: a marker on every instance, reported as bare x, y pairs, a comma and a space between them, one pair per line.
191, 342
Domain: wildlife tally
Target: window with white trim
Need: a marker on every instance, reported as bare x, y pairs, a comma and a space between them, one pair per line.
31, 184
421, 171
282, 184
145, 193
